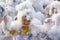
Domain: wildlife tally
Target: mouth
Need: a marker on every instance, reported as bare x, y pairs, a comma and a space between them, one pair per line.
26, 22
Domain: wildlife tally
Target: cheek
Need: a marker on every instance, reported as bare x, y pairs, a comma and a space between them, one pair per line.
23, 20
28, 22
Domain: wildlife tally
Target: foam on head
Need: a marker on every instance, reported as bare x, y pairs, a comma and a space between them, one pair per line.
22, 13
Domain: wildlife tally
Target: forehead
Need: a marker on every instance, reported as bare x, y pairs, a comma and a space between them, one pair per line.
26, 17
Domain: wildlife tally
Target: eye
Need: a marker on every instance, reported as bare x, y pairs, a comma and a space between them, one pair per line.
24, 16
16, 18
28, 20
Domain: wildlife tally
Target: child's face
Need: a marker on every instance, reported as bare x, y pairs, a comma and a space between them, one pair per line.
25, 21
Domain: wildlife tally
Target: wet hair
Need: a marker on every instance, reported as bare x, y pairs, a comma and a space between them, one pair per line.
2, 9
58, 0
14, 1
44, 6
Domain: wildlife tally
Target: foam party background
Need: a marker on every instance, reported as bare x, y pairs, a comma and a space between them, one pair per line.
29, 19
